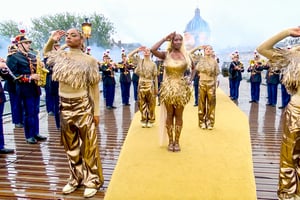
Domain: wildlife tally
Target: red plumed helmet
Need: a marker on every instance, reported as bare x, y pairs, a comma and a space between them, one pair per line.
21, 38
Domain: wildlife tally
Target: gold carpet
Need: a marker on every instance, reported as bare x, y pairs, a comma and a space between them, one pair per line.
212, 165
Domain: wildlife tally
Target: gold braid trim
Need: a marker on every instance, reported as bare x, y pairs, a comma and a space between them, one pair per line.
74, 68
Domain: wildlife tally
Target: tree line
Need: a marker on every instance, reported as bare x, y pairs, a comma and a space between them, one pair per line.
40, 28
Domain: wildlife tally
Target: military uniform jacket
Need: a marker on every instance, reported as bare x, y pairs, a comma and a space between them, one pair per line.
53, 85
239, 72
234, 73
255, 76
108, 77
273, 77
125, 76
19, 64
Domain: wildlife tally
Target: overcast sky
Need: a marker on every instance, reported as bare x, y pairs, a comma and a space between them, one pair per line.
232, 22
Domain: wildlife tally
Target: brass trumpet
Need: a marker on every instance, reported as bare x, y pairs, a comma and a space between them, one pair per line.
252, 62
241, 66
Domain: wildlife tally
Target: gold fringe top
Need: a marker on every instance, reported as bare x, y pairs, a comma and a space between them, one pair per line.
74, 68
76, 72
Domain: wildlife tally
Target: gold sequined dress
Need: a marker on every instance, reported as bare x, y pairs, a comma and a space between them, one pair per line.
174, 88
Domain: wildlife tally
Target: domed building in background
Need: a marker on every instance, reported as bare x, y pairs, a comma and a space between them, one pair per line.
197, 31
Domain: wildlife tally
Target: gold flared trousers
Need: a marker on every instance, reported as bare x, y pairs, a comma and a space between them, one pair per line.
79, 138
207, 103
289, 174
146, 101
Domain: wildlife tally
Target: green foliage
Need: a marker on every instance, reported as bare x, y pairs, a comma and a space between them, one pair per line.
102, 30
9, 29
40, 29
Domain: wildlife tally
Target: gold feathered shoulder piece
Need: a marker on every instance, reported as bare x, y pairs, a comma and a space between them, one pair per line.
288, 61
279, 59
74, 68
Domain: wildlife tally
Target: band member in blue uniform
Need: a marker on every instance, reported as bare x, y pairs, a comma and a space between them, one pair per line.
285, 96
196, 54
135, 78
15, 102
235, 76
135, 82
109, 82
160, 75
104, 61
196, 88
5, 75
49, 98
272, 79
255, 68
51, 89
23, 65
125, 79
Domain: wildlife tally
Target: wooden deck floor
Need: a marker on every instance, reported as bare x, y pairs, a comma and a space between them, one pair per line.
40, 171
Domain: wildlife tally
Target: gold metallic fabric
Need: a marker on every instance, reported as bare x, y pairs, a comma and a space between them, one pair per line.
80, 71
288, 61
208, 69
207, 103
289, 174
79, 138
147, 72
146, 101
175, 93
174, 88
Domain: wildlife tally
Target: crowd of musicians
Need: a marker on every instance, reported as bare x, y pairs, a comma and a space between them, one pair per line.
255, 69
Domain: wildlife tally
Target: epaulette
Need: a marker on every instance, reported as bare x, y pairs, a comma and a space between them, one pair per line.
11, 53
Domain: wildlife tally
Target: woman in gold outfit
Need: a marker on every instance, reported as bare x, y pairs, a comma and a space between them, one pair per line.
78, 77
147, 88
208, 70
175, 91
289, 62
